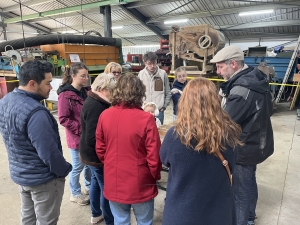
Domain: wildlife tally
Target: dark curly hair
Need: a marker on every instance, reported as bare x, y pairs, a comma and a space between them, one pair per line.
129, 91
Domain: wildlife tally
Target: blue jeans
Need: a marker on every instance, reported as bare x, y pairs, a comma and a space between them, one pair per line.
41, 203
96, 196
245, 193
161, 116
77, 167
143, 212
174, 117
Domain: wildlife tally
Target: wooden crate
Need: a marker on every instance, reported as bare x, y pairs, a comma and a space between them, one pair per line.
92, 55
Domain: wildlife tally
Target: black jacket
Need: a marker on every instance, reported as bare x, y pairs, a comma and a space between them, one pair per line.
91, 110
249, 104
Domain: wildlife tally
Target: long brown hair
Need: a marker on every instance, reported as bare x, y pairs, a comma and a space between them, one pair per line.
129, 91
202, 121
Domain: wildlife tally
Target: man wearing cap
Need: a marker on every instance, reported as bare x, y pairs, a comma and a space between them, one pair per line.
247, 100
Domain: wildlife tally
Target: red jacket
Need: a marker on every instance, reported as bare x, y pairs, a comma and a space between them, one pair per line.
128, 143
69, 108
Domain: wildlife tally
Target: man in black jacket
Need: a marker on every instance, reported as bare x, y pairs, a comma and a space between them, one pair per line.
247, 100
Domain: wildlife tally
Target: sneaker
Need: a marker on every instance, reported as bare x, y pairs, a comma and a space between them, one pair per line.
97, 219
80, 199
251, 222
86, 191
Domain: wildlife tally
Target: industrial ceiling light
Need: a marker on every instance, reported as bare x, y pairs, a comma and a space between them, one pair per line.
256, 12
176, 21
116, 27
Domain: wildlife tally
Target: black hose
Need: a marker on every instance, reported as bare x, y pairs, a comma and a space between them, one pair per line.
60, 39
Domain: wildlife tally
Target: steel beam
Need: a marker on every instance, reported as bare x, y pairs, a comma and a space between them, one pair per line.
106, 11
244, 27
138, 4
142, 19
278, 23
95, 26
269, 36
228, 11
65, 10
28, 3
34, 26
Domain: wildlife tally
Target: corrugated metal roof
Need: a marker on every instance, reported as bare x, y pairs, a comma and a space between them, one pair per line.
221, 14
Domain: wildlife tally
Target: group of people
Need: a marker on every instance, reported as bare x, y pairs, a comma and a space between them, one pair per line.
112, 134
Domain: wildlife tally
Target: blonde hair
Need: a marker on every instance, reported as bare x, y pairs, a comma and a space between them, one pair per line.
201, 122
150, 104
111, 65
104, 81
179, 69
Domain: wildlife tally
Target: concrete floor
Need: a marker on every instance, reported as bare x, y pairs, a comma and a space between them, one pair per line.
278, 181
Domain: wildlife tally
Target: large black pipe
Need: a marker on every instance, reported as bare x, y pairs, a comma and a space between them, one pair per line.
60, 39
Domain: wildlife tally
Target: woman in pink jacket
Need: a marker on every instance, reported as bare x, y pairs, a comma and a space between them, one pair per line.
128, 143
71, 95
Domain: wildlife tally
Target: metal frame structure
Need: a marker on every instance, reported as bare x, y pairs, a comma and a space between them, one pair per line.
145, 18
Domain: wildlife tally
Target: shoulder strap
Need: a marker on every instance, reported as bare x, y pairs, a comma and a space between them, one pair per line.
225, 163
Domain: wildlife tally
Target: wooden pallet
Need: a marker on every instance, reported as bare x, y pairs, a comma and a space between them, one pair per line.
7, 73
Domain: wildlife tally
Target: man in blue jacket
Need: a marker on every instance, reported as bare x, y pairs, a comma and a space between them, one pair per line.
34, 150
247, 100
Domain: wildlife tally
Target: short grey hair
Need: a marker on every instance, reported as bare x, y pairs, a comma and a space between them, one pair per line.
104, 81
239, 62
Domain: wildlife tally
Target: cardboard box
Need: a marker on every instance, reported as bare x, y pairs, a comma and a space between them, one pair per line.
296, 77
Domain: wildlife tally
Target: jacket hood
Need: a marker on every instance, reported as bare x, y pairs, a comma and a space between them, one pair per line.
251, 78
66, 87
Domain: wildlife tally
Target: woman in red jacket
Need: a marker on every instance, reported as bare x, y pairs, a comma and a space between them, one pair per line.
127, 142
71, 95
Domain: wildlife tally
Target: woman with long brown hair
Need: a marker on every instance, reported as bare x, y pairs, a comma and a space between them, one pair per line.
71, 96
199, 188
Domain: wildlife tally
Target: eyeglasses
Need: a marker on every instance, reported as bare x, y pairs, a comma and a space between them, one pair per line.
84, 77
115, 72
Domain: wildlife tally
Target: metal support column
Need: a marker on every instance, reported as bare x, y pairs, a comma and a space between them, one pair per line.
106, 11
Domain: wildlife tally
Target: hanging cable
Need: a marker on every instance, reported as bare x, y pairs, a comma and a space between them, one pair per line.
21, 14
84, 60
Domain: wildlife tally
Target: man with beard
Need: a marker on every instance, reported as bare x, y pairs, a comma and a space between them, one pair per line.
247, 100
32, 141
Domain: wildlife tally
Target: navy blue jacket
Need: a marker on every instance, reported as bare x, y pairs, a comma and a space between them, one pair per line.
176, 96
32, 140
198, 188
